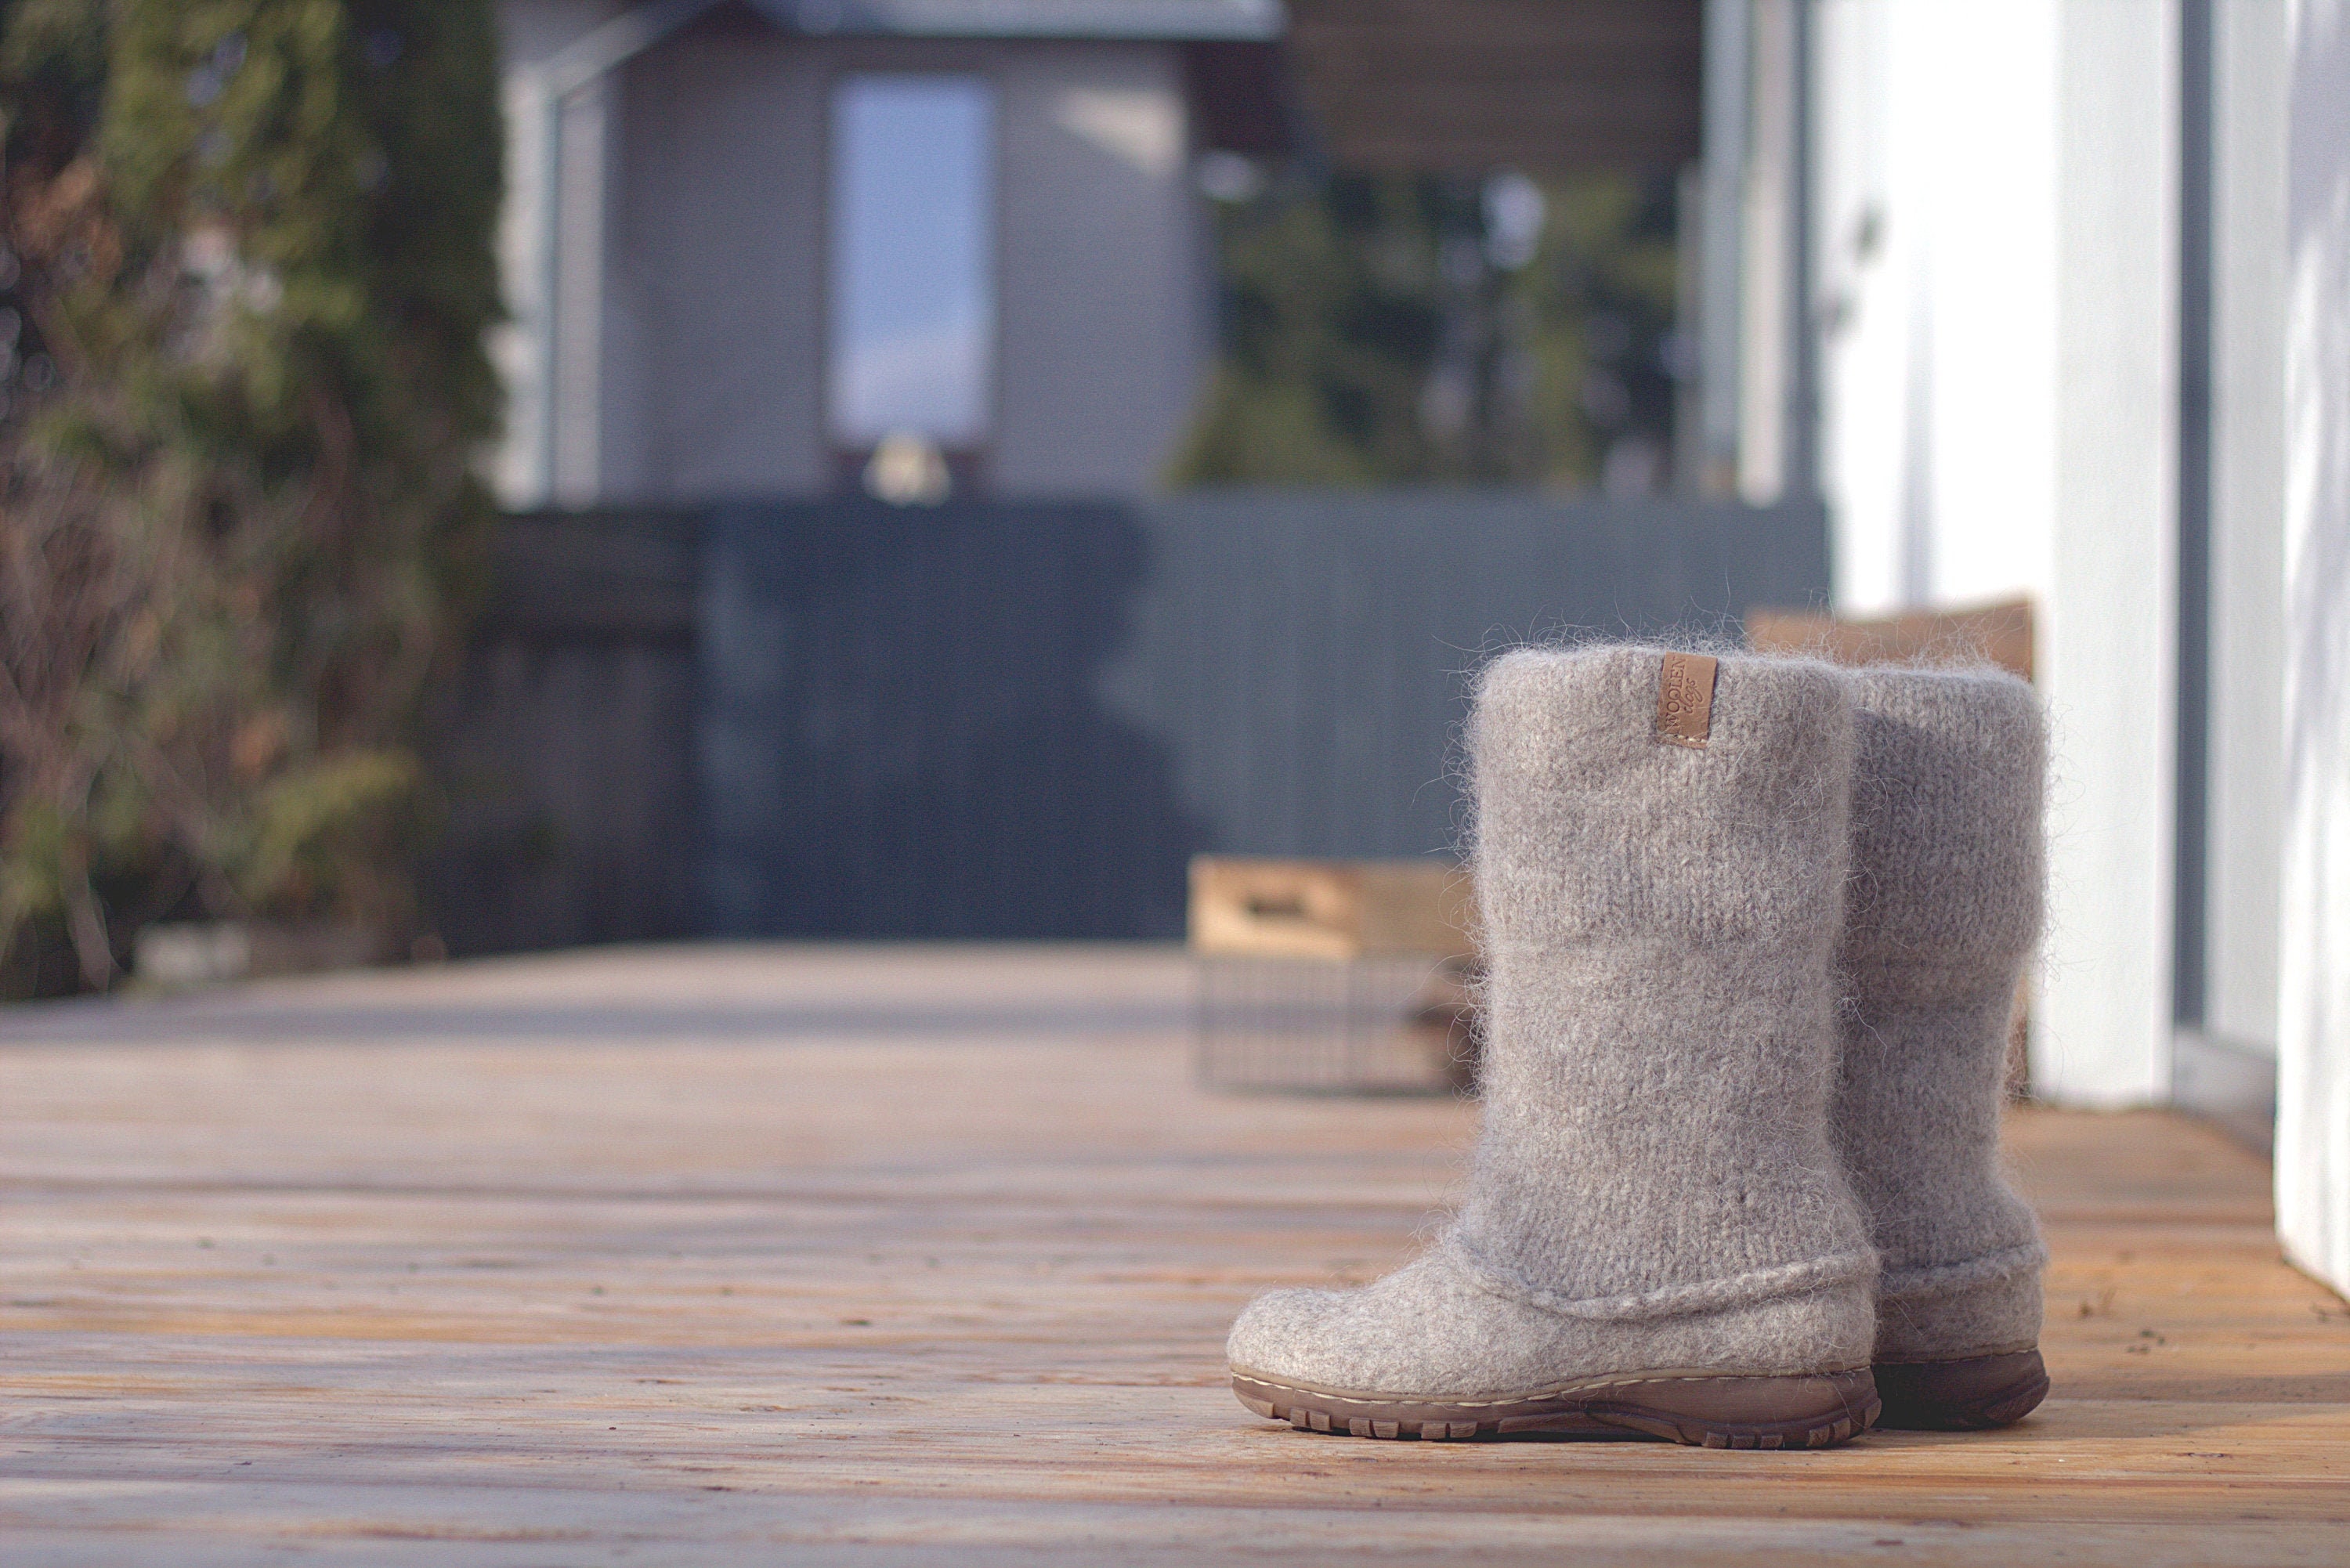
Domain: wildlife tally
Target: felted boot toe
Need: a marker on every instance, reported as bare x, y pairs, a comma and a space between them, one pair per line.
1427, 1333
1420, 1333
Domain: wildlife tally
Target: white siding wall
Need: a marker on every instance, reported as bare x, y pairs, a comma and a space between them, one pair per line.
723, 242
531, 32
1938, 259
2314, 1079
1107, 315
1999, 418
2247, 750
2102, 1034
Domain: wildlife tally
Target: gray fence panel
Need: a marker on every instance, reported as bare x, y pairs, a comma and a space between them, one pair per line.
837, 718
899, 734
1000, 720
564, 748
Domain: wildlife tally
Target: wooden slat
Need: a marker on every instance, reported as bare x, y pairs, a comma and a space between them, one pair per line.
1473, 85
1999, 634
593, 576
870, 1255
1329, 909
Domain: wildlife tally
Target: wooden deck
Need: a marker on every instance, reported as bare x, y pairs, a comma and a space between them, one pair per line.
740, 1254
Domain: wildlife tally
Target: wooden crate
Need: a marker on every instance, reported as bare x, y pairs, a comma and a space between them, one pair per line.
1999, 634
1334, 976
1388, 1025
1329, 909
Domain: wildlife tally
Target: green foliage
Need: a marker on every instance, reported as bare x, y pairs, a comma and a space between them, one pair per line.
317, 825
238, 522
1372, 336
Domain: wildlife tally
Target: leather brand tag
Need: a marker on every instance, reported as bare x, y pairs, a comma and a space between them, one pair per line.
1685, 699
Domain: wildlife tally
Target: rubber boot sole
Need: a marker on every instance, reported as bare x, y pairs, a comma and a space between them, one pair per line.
1708, 1410
1963, 1396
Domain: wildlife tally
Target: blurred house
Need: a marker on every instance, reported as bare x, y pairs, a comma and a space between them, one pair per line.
850, 341
751, 241
2032, 298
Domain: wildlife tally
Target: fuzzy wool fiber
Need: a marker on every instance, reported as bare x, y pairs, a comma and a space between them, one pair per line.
1943, 913
1653, 1186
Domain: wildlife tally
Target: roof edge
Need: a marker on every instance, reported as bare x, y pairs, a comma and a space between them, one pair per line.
1183, 21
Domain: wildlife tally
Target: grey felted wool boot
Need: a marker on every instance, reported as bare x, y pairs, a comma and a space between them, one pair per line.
1941, 915
1655, 1238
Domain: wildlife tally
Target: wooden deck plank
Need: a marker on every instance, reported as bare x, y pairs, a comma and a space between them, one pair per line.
909, 1255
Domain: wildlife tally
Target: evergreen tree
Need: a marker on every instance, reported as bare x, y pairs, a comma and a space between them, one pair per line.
1388, 330
249, 245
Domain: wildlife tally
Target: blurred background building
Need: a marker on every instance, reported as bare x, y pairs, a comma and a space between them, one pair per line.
968, 457
970, 454
751, 241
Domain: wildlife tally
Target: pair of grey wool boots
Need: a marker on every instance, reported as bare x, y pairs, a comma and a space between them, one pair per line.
1752, 930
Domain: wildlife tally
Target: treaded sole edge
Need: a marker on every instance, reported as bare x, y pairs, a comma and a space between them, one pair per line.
1710, 1410
1966, 1393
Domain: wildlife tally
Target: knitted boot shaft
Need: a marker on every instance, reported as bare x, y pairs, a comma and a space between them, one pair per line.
1656, 1236
1659, 920
1943, 912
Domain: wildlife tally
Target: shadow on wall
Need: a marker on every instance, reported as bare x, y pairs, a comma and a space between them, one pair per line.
901, 733
835, 718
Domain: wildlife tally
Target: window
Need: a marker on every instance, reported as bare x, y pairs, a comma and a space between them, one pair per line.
913, 259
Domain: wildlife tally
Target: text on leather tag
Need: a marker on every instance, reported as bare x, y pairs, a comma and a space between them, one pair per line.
1685, 699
